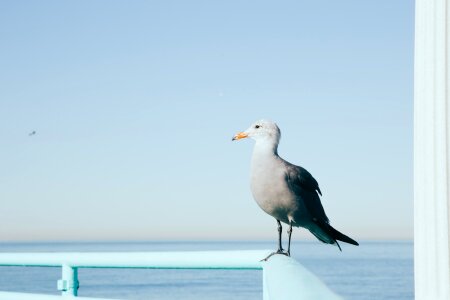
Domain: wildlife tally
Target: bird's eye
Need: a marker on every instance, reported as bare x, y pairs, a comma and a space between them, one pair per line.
257, 126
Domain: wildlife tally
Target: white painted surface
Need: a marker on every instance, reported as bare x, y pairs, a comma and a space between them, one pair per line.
432, 150
286, 279
246, 259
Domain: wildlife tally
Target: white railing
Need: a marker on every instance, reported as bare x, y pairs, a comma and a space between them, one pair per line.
283, 277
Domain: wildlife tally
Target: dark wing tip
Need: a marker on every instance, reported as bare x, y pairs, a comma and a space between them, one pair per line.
339, 246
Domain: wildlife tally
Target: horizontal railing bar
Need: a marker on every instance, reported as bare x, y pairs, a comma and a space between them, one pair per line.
29, 296
244, 259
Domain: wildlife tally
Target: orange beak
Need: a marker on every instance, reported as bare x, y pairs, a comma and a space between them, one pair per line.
240, 135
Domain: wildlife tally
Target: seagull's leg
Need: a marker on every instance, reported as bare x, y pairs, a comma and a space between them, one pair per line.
289, 243
280, 247
280, 230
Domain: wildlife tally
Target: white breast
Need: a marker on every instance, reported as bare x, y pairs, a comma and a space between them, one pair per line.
269, 186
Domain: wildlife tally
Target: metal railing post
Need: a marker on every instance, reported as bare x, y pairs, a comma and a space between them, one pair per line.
68, 284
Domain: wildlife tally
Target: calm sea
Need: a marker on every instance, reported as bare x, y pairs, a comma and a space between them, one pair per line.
374, 270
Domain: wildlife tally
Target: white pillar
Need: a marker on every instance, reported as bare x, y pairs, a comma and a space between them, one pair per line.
432, 150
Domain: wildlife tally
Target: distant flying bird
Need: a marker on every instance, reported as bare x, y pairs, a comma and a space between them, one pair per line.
32, 133
285, 191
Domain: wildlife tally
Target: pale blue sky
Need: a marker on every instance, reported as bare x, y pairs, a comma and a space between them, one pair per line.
135, 104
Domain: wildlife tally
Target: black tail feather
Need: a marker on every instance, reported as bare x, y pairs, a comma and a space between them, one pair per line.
341, 237
327, 234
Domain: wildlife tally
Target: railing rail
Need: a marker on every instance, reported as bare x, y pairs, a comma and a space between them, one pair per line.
247, 259
29, 296
283, 277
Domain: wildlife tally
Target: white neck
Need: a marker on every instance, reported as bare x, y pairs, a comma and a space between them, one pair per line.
263, 149
266, 146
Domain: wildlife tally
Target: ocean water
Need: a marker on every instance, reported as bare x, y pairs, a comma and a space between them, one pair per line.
374, 270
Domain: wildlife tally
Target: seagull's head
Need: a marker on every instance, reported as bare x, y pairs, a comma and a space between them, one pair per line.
261, 130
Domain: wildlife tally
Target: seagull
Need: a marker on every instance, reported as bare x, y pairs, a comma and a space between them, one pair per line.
32, 133
287, 192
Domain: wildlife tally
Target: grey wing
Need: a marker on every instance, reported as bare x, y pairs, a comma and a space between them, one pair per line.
306, 187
